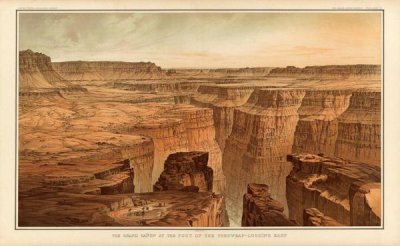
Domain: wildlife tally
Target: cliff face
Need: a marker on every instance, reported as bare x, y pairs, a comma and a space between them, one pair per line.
184, 171
93, 70
330, 71
259, 209
345, 191
36, 71
359, 129
169, 86
314, 217
262, 135
222, 100
317, 129
178, 129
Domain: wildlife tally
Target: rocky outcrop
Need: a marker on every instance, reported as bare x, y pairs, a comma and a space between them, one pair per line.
259, 209
314, 217
345, 191
332, 71
365, 204
255, 152
36, 72
359, 129
186, 169
317, 129
105, 70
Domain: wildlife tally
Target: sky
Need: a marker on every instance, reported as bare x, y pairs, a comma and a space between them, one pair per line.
206, 40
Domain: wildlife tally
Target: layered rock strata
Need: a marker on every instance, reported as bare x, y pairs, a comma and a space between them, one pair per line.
105, 70
317, 129
259, 209
330, 71
36, 72
343, 190
222, 100
186, 170
359, 129
255, 152
182, 128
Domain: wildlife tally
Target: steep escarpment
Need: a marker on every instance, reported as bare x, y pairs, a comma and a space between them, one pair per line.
317, 129
262, 135
348, 192
259, 209
105, 70
222, 99
186, 170
181, 128
169, 86
36, 71
359, 129
330, 71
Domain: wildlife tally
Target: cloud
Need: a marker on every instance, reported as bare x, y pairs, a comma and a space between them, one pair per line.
205, 39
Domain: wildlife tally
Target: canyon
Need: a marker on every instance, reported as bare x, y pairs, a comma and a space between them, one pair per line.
132, 144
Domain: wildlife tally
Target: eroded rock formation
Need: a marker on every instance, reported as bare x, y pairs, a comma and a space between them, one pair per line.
359, 129
222, 100
335, 71
262, 135
105, 70
36, 71
259, 209
186, 170
337, 188
182, 128
317, 129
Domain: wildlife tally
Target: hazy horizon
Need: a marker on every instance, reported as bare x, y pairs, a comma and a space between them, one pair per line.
206, 40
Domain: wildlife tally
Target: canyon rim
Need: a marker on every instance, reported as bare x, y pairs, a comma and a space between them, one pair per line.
203, 119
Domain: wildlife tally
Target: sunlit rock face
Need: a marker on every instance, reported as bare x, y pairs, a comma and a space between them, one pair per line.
222, 99
317, 129
262, 135
348, 192
99, 71
259, 209
359, 129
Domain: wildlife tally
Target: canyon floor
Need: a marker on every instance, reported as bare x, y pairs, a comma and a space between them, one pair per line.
180, 147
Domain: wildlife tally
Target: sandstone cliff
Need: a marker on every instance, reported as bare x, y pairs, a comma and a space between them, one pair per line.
104, 70
262, 135
178, 129
333, 71
36, 71
259, 209
317, 129
222, 100
359, 129
345, 191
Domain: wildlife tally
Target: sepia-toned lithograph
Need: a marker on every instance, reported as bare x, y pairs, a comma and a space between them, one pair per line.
199, 119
